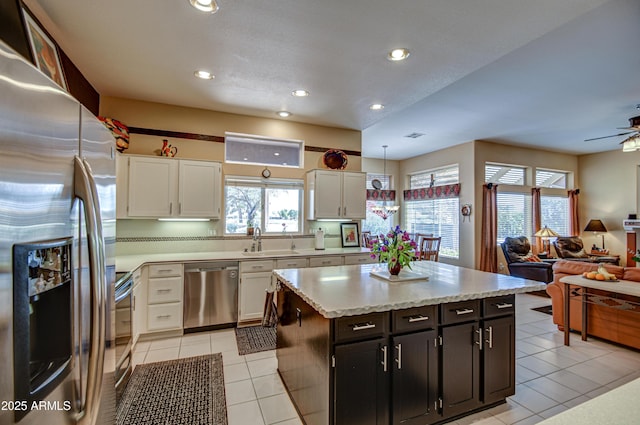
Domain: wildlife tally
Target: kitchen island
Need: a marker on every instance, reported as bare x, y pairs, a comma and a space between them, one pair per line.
357, 349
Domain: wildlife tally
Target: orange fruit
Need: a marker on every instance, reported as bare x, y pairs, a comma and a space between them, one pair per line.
591, 275
600, 276
584, 274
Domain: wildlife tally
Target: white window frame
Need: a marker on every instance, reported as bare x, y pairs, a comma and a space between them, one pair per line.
264, 185
264, 148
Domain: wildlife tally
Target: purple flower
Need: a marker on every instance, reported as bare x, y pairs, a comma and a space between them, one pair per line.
401, 247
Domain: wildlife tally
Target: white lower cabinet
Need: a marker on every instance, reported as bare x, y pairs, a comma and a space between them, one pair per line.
162, 317
326, 260
164, 297
255, 278
359, 259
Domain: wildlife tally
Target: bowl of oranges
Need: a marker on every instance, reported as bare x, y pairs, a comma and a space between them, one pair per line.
601, 274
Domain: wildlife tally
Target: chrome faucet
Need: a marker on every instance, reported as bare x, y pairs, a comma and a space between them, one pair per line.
293, 245
257, 236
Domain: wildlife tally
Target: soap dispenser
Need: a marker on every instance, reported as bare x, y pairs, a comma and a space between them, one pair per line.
319, 239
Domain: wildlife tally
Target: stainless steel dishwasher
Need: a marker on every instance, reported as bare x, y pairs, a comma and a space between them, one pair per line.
210, 295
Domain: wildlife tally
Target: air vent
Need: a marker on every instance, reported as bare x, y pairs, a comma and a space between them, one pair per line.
414, 135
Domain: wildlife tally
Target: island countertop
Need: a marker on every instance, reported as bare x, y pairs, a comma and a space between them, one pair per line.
351, 290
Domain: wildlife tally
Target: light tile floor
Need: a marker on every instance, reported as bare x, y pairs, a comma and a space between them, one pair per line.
550, 377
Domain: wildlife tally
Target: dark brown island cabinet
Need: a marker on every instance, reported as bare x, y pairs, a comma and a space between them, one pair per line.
415, 366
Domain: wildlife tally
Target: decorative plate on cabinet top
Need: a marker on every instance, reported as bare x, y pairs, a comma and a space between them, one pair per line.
335, 159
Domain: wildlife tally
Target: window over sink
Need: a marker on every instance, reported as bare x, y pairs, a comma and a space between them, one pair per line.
275, 206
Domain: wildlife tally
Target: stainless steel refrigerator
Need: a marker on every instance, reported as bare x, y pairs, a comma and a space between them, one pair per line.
57, 254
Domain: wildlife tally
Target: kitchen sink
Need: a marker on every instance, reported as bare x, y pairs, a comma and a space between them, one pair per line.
271, 253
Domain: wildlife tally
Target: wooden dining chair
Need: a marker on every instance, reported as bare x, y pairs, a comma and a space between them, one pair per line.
366, 238
430, 248
418, 238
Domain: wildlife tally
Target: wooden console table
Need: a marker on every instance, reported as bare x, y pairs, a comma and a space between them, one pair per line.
623, 287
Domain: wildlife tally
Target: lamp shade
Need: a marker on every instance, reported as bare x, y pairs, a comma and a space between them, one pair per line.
545, 232
595, 226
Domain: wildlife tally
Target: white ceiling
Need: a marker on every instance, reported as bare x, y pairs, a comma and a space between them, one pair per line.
542, 73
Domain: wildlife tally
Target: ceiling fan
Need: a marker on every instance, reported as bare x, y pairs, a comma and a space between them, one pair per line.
634, 126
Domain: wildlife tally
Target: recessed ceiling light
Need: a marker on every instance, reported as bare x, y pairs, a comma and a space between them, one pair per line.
376, 107
276, 154
205, 75
398, 54
284, 114
209, 6
300, 93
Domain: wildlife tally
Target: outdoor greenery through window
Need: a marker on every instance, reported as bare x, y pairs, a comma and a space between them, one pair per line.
555, 213
275, 206
439, 216
514, 215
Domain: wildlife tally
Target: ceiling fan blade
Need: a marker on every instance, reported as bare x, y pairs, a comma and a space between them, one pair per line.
606, 137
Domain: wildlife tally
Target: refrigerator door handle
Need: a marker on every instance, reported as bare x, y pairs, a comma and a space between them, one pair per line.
85, 189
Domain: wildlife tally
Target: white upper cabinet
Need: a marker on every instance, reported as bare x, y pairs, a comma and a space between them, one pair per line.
199, 189
336, 195
169, 187
152, 187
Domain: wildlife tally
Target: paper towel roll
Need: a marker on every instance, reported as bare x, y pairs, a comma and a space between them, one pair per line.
319, 239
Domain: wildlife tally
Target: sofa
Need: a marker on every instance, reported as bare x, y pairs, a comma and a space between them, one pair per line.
522, 263
571, 248
619, 326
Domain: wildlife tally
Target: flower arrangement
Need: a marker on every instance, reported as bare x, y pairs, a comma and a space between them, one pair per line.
636, 255
395, 248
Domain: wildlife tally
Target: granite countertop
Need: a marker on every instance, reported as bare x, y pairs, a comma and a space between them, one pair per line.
350, 290
619, 406
127, 263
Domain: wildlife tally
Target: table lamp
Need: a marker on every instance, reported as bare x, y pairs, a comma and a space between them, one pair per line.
545, 234
596, 226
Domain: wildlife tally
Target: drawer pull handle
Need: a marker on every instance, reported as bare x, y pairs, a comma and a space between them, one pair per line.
418, 318
256, 267
363, 326
326, 262
161, 291
164, 316
399, 359
465, 311
504, 305
164, 271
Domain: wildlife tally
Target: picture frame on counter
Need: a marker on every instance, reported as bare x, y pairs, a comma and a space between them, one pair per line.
349, 235
44, 50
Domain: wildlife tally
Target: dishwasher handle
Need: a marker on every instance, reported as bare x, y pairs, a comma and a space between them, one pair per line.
210, 269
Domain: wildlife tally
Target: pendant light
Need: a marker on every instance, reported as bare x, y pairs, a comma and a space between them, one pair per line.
385, 211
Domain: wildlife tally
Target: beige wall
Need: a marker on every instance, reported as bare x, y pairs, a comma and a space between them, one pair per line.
609, 191
135, 113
